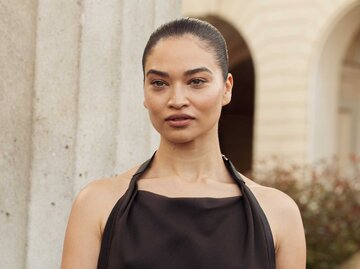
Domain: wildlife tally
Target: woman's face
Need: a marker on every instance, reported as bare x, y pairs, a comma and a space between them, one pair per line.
184, 89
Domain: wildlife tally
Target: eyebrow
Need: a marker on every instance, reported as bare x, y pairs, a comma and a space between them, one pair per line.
197, 70
186, 73
157, 72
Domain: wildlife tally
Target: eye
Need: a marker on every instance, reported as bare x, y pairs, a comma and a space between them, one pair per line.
158, 83
197, 82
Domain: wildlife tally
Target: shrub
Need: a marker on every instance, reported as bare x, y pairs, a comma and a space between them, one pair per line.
329, 204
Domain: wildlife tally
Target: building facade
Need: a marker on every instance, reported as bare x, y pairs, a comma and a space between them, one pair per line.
306, 58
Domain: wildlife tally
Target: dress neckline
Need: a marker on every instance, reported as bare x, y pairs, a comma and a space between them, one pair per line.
161, 196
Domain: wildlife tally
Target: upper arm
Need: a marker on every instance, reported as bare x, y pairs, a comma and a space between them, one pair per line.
286, 226
88, 218
83, 233
291, 246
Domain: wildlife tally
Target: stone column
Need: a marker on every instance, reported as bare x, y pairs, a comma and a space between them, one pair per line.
17, 53
70, 109
54, 128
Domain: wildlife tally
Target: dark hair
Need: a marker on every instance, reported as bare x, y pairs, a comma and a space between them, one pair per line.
200, 29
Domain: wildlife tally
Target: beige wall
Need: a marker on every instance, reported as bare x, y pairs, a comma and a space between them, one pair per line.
286, 39
70, 111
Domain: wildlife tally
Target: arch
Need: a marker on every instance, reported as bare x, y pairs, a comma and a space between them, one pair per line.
348, 147
324, 81
236, 126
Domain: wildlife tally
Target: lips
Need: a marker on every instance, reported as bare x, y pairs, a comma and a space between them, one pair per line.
179, 117
179, 120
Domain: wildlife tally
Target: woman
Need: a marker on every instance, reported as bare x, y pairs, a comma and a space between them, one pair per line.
186, 207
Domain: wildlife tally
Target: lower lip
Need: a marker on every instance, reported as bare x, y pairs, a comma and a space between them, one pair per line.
179, 123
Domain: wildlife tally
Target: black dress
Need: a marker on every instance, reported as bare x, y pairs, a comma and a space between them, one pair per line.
151, 231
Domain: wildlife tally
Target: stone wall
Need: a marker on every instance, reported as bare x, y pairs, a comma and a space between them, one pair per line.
70, 111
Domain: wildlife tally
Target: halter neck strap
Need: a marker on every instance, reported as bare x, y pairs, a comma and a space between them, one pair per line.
229, 165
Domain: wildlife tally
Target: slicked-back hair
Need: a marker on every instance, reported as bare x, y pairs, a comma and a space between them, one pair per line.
202, 30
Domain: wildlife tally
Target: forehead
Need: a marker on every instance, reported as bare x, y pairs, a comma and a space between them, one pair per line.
186, 51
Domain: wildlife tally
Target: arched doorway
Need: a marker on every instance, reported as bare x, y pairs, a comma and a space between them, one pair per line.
237, 119
349, 107
325, 130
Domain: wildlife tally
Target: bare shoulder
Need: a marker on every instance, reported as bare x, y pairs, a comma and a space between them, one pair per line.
98, 197
280, 209
100, 188
286, 225
272, 198
87, 220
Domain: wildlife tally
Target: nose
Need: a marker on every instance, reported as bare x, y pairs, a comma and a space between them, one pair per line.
178, 98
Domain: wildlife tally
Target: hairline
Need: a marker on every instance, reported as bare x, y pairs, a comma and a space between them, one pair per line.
202, 42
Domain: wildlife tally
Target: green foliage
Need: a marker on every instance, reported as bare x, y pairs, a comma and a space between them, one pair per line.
329, 204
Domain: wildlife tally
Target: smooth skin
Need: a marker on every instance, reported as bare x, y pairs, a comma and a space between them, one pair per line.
182, 76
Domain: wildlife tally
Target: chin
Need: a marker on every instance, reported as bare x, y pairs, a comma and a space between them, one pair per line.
185, 136
179, 139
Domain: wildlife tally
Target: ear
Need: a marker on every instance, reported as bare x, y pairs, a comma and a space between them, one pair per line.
228, 89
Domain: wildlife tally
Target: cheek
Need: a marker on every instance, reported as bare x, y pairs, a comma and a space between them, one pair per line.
153, 113
154, 106
211, 101
151, 103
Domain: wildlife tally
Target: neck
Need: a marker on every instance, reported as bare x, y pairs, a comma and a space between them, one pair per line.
196, 161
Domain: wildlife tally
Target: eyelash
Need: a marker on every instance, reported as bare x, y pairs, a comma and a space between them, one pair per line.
155, 83
198, 83
198, 80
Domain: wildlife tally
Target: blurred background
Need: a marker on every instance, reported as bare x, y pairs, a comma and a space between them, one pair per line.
71, 110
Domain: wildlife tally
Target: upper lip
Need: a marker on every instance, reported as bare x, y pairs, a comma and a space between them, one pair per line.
179, 116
